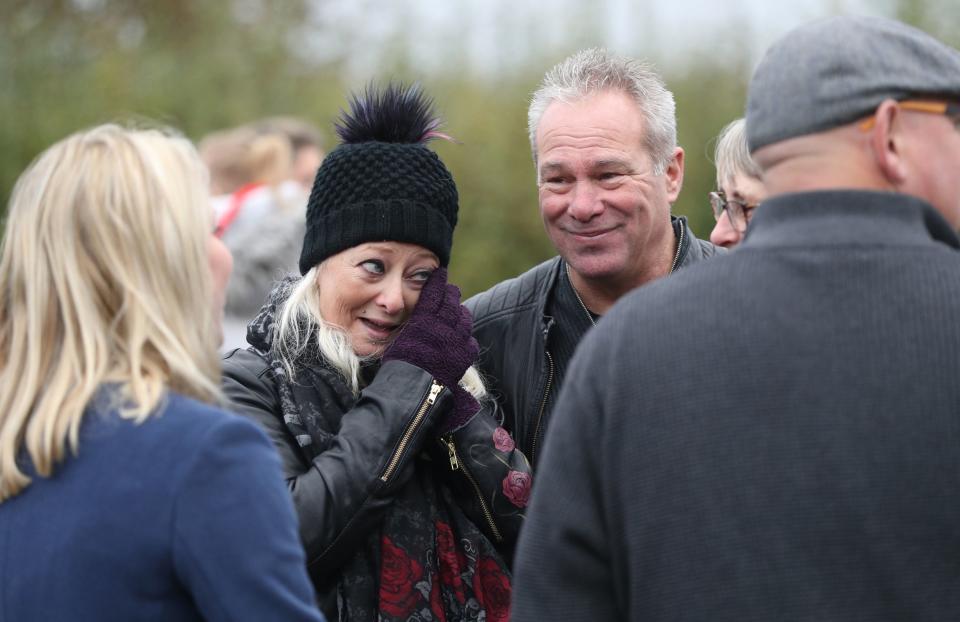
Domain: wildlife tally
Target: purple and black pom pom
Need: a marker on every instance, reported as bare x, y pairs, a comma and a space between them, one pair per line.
392, 114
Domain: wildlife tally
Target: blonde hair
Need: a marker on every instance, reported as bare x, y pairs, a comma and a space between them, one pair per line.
299, 317
269, 159
103, 279
732, 156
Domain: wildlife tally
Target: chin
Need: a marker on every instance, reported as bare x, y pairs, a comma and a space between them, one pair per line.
596, 267
365, 350
369, 349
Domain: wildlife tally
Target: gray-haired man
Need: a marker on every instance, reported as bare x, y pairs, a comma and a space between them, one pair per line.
787, 449
603, 134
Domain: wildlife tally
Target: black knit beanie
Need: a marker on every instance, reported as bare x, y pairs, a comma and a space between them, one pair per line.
382, 183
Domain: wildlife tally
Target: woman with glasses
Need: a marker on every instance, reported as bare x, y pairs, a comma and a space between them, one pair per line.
740, 187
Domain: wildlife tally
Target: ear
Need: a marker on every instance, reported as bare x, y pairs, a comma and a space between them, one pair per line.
887, 142
674, 175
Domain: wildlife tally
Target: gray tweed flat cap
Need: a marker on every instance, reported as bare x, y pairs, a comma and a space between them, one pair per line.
834, 71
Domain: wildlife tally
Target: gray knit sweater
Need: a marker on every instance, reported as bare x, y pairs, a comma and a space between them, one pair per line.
773, 435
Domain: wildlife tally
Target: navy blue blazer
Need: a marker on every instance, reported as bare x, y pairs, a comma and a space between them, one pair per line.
182, 517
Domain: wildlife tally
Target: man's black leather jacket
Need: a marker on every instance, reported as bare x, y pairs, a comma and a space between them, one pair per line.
512, 327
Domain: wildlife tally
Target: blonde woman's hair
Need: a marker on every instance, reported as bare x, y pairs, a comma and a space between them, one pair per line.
732, 156
299, 318
104, 279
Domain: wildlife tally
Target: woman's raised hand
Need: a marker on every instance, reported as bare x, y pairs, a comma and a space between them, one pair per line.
437, 338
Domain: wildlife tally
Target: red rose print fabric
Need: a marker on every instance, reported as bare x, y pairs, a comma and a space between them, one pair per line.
442, 571
399, 573
502, 441
452, 562
492, 587
436, 601
516, 488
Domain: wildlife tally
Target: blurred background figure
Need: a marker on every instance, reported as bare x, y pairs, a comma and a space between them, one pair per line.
739, 186
222, 152
306, 145
261, 174
125, 491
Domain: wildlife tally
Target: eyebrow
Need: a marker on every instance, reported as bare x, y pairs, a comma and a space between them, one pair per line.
385, 248
379, 246
740, 198
551, 167
613, 163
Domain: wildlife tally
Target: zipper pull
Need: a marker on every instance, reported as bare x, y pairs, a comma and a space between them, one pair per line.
452, 450
434, 392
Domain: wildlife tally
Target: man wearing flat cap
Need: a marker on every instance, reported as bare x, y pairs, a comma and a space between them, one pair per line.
787, 448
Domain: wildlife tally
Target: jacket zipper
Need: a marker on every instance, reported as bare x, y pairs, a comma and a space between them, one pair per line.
543, 405
676, 258
457, 465
435, 389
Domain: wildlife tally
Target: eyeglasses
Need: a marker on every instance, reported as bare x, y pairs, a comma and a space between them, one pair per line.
950, 109
738, 212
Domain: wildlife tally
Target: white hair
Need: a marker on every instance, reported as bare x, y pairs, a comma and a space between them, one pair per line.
595, 70
732, 156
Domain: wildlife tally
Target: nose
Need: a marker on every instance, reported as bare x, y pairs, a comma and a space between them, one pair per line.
585, 202
390, 298
723, 233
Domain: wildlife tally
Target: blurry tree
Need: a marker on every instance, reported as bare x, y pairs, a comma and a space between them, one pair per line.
709, 95
941, 18
500, 232
202, 66
197, 66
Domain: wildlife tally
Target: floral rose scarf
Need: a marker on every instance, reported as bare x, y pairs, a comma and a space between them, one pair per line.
428, 562
436, 565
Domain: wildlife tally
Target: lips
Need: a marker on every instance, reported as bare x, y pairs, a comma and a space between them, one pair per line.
378, 329
590, 235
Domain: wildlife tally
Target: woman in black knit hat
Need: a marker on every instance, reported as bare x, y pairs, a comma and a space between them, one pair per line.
409, 493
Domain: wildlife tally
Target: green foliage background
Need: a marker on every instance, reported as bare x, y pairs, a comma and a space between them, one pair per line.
205, 65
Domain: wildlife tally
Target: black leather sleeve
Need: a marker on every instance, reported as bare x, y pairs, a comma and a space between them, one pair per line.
489, 476
340, 495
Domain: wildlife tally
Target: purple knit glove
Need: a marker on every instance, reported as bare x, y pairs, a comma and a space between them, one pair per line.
437, 338
465, 406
